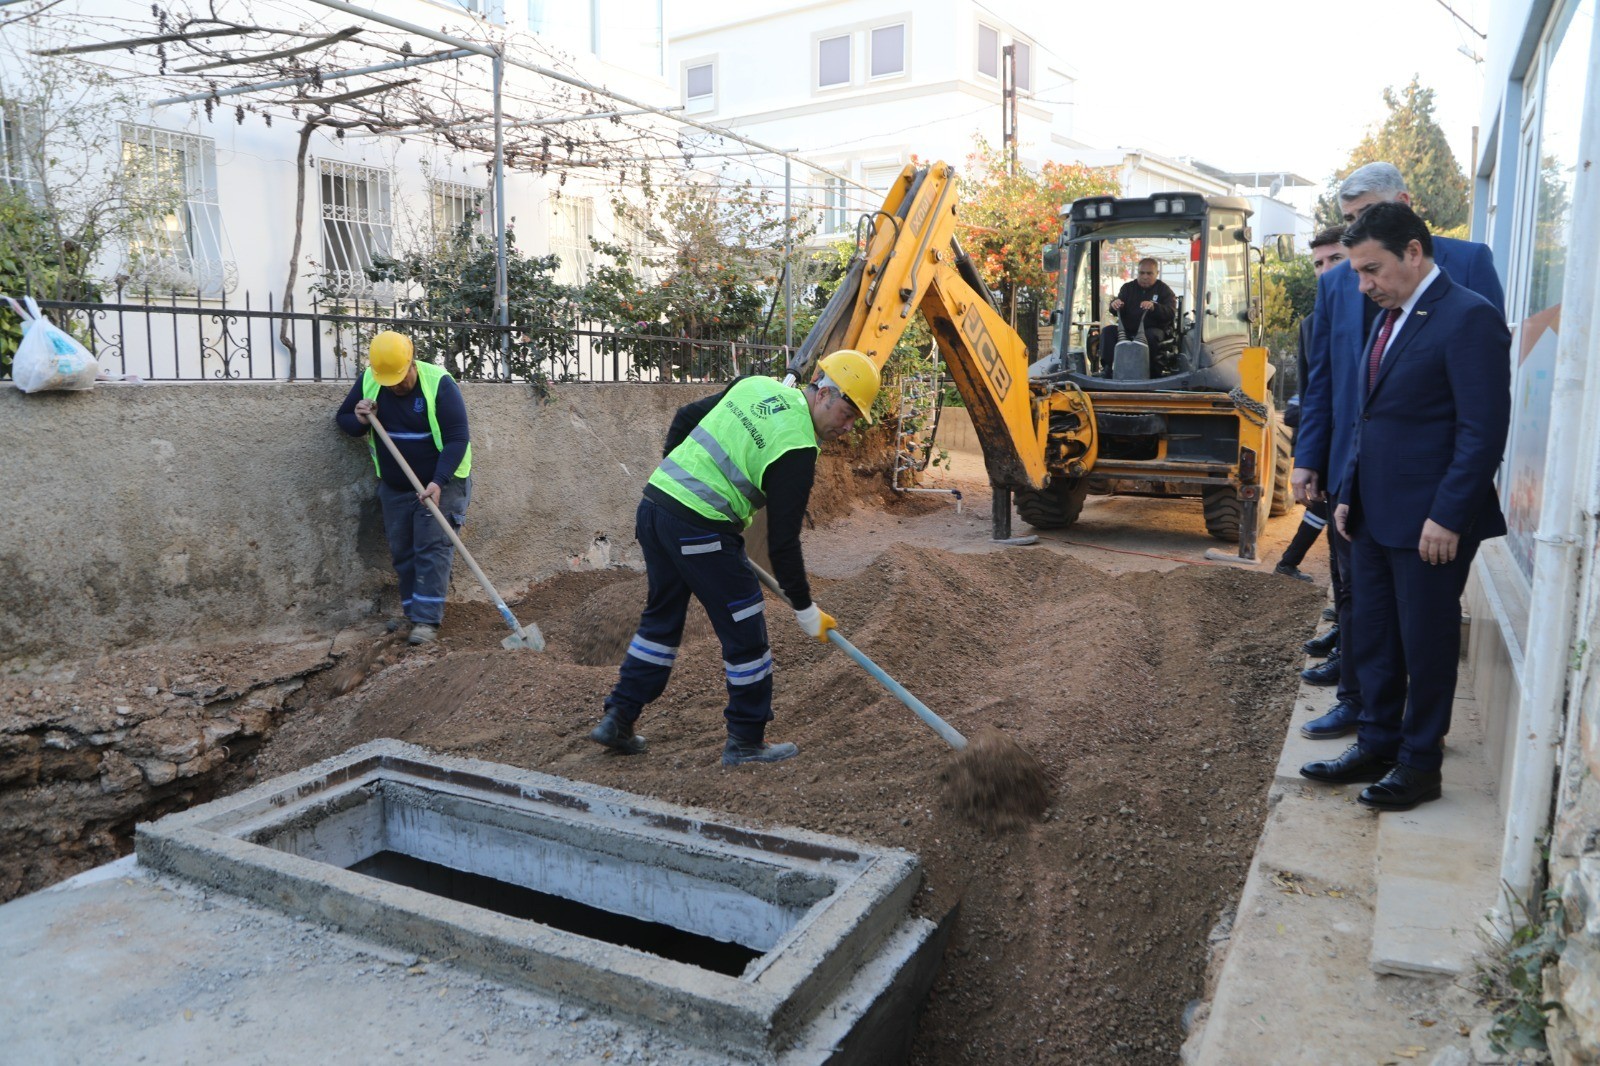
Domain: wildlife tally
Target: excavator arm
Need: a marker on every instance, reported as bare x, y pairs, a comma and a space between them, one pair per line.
909, 260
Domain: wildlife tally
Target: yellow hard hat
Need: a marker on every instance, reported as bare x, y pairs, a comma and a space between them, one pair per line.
389, 357
856, 376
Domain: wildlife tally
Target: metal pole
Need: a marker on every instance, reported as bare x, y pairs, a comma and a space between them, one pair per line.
788, 275
284, 83
502, 296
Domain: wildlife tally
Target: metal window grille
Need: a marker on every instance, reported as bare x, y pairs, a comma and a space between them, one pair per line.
357, 224
176, 241
571, 226
633, 238
452, 206
17, 124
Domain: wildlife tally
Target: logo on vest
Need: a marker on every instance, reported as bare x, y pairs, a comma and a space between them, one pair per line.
771, 406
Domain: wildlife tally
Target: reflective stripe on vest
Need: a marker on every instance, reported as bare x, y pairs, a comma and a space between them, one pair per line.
428, 376
718, 469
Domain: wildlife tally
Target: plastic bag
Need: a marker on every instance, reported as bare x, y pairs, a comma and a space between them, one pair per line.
48, 358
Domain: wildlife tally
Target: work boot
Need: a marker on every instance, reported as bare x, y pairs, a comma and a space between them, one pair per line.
1285, 570
617, 735
1330, 614
737, 752
1338, 722
1322, 645
423, 633
1324, 673
395, 625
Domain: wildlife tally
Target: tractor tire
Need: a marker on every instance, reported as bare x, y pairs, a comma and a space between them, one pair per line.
1223, 512
1282, 491
1056, 506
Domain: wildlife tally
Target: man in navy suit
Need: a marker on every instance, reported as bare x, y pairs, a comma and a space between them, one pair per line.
1331, 393
1418, 498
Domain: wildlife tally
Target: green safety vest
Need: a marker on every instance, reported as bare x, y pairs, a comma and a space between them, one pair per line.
718, 469
428, 376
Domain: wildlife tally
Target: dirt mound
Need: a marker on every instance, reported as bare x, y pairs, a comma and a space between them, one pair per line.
1154, 702
996, 782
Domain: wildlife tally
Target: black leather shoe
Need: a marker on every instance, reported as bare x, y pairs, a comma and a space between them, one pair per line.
617, 735
1322, 644
1330, 614
1324, 673
1401, 789
1339, 721
1354, 765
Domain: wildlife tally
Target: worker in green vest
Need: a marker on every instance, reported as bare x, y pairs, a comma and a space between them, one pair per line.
420, 406
753, 446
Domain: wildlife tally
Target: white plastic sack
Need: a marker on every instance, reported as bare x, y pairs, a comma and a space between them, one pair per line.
49, 358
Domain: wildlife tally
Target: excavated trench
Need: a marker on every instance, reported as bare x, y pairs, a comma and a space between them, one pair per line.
1155, 701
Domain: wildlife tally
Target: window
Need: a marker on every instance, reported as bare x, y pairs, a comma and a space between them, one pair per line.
879, 176
17, 125
175, 241
699, 87
835, 211
571, 227
1024, 65
833, 61
889, 50
357, 224
988, 51
1555, 161
456, 212
1227, 299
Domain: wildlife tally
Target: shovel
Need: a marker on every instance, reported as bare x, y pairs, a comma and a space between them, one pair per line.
521, 636
947, 732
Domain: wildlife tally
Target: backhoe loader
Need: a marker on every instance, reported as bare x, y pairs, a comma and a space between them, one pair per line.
1205, 428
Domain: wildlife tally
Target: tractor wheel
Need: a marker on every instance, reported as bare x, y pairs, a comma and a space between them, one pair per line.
1282, 491
1223, 512
1056, 506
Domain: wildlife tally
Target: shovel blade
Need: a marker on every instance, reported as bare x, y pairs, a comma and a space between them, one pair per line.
526, 637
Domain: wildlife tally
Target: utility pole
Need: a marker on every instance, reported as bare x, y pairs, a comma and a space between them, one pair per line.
1008, 145
1008, 107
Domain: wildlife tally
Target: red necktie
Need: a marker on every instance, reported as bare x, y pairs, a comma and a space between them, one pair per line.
1376, 358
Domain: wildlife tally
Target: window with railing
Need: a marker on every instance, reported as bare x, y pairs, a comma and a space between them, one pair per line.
357, 224
835, 208
456, 211
175, 238
571, 227
18, 127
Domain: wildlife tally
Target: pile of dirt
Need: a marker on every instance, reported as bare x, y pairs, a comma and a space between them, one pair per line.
1155, 702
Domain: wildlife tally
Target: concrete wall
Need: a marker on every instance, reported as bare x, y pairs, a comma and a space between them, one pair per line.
141, 513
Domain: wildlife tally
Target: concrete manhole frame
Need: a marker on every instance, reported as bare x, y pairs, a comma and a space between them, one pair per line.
851, 954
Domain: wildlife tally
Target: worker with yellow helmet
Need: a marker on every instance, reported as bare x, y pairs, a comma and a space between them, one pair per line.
420, 406
752, 446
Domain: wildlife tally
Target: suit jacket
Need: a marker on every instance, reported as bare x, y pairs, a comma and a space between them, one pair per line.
1430, 436
1334, 384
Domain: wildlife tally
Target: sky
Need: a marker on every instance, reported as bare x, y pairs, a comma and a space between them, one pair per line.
1238, 84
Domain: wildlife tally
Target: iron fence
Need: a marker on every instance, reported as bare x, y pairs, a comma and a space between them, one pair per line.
187, 339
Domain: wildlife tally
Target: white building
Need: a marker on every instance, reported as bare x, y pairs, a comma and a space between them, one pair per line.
863, 86
1535, 596
227, 184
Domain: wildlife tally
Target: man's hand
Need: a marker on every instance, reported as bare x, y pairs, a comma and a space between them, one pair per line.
365, 408
1147, 305
1116, 305
430, 493
1303, 482
1341, 514
816, 622
1438, 545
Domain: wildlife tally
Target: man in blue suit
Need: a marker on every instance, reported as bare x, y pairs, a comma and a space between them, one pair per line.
1417, 499
1332, 390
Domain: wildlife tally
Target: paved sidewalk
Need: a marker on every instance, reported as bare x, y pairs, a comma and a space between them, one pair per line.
1341, 902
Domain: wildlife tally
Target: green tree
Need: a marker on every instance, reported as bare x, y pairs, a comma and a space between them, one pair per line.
454, 281
1009, 218
1411, 140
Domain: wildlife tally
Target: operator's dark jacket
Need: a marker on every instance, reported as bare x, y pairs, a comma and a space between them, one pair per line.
1159, 317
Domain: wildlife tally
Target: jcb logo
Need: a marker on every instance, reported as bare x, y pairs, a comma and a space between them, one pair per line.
983, 345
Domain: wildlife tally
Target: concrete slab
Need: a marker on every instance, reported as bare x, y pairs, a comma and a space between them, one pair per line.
828, 965
1438, 866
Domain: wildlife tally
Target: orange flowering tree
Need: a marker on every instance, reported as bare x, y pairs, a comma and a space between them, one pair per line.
1007, 219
